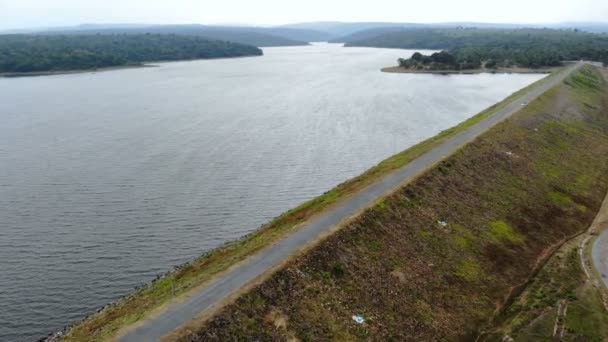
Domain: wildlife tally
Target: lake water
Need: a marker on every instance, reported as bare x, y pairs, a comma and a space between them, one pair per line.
108, 179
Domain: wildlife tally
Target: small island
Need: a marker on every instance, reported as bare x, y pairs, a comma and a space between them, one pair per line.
28, 55
444, 62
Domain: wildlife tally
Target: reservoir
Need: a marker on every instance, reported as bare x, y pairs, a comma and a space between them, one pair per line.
109, 179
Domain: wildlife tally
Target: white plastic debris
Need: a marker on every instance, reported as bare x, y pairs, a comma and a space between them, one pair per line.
442, 223
359, 319
509, 153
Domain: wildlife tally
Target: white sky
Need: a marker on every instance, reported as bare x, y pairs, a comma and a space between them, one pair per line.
41, 13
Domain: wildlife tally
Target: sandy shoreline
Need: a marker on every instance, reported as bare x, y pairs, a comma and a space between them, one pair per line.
400, 70
68, 72
119, 67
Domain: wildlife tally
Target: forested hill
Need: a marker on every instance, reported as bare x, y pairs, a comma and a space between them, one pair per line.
451, 38
36, 53
524, 47
256, 36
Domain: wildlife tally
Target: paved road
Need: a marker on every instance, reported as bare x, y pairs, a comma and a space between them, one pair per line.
230, 282
599, 254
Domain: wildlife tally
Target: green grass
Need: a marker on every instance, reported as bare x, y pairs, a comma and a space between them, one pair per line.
500, 232
586, 318
563, 200
138, 305
464, 239
468, 270
532, 316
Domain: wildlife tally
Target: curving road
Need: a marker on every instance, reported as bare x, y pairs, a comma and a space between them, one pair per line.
599, 254
165, 323
599, 251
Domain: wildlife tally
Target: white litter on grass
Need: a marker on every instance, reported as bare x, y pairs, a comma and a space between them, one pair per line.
359, 319
442, 223
509, 153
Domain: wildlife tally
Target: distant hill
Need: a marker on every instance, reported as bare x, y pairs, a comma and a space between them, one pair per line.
250, 35
582, 26
589, 27
301, 35
368, 34
489, 38
293, 34
340, 29
259, 37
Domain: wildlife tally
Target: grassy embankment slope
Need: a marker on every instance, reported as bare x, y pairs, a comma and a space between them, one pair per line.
564, 301
560, 303
510, 198
153, 297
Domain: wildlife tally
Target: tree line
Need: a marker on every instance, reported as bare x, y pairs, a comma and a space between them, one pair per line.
473, 47
44, 53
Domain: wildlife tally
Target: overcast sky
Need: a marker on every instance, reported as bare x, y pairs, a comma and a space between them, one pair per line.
41, 13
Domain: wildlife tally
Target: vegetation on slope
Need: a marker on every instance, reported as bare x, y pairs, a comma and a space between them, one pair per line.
440, 256
560, 304
257, 36
564, 301
294, 36
138, 305
33, 53
469, 48
452, 62
259, 39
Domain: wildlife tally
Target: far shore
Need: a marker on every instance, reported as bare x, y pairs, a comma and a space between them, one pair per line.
400, 70
118, 67
68, 72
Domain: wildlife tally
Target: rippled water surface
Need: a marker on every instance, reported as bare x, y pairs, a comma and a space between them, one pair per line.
108, 179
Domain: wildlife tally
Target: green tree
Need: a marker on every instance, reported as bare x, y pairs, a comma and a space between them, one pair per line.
491, 64
417, 56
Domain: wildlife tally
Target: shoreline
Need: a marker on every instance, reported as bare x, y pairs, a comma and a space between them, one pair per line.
400, 70
112, 68
71, 72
